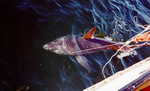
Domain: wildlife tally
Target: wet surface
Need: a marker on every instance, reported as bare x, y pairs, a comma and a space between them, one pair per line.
27, 25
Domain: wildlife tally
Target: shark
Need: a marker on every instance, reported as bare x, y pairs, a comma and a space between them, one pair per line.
79, 46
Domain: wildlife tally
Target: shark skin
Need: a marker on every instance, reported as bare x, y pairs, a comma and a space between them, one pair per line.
77, 45
74, 45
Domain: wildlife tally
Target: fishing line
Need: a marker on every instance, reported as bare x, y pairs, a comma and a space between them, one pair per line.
125, 44
80, 52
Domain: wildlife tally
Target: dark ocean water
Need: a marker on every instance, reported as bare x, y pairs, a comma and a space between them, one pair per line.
29, 24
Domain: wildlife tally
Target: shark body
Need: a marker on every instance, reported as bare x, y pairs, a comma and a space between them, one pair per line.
77, 45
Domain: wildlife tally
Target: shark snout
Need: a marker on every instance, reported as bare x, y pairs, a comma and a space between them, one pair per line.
49, 47
45, 47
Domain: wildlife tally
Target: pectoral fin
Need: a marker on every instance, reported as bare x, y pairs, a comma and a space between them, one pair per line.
84, 62
90, 33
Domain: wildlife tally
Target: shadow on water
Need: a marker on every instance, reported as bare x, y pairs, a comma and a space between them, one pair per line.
27, 67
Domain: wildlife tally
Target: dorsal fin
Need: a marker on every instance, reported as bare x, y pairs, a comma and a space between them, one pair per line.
90, 33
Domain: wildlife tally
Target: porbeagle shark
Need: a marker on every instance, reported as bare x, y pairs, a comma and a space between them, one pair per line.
78, 46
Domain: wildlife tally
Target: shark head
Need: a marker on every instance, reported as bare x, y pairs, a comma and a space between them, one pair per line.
57, 46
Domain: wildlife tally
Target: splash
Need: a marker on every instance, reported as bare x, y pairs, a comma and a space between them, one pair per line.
126, 54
